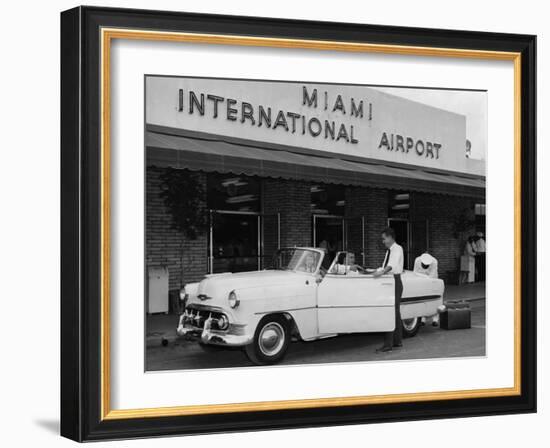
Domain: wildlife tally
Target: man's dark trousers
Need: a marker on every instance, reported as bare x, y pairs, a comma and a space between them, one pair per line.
395, 337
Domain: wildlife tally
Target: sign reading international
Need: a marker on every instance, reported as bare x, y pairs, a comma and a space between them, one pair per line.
271, 118
340, 119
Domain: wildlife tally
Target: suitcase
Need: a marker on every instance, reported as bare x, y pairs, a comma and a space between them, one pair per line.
457, 316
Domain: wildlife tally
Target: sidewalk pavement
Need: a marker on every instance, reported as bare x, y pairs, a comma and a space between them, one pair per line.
159, 327
468, 292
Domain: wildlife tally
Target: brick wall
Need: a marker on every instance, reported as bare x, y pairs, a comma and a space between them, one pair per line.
441, 212
372, 203
292, 200
186, 259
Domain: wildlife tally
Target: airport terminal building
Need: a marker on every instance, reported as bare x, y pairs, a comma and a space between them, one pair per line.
266, 164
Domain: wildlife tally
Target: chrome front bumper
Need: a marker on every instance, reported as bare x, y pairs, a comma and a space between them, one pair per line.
234, 336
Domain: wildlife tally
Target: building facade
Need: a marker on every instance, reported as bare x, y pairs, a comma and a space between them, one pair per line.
275, 164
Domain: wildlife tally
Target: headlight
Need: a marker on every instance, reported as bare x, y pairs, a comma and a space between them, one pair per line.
233, 300
223, 323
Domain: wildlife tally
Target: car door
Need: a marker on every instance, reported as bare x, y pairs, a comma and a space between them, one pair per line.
421, 295
355, 303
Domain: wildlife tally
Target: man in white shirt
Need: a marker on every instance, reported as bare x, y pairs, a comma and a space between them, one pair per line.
393, 264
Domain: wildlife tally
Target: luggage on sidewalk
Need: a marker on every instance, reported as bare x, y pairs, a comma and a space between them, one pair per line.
457, 315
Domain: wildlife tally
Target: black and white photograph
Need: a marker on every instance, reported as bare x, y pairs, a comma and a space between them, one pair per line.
295, 223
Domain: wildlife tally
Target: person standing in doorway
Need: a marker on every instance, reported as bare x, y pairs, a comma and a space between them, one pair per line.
393, 264
480, 256
467, 261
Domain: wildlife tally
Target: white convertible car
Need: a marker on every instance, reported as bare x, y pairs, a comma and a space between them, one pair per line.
303, 297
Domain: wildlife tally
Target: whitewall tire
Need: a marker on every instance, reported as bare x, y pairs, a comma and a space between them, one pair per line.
270, 342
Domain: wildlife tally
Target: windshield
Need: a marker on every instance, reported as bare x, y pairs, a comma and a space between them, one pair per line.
303, 260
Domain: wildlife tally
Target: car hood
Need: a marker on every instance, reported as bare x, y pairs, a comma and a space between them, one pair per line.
218, 286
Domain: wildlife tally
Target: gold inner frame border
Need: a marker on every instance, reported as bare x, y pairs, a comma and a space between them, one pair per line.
107, 36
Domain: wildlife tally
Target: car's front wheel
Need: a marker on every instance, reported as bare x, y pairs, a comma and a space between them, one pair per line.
270, 342
411, 326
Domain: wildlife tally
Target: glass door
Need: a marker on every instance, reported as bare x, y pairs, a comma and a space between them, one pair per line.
242, 241
271, 238
420, 242
402, 234
234, 244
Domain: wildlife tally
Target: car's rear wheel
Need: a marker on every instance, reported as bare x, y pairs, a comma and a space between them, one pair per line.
411, 326
270, 342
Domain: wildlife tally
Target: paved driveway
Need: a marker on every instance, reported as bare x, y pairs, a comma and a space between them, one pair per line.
430, 342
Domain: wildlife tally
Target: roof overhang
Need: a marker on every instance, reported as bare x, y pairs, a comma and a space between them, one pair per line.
212, 154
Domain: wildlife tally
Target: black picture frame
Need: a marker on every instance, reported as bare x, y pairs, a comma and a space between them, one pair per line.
81, 224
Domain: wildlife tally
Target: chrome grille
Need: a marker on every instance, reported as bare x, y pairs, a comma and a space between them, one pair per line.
196, 317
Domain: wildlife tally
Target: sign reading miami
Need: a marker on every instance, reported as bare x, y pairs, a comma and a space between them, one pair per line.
340, 126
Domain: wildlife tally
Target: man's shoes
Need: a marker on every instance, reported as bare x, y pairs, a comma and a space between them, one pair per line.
383, 349
397, 345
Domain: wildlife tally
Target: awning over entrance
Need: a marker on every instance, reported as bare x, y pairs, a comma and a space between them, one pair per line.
198, 154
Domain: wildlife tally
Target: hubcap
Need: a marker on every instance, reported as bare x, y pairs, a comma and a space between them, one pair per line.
271, 339
409, 324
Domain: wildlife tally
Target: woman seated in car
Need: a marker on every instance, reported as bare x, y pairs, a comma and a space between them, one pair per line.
342, 268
